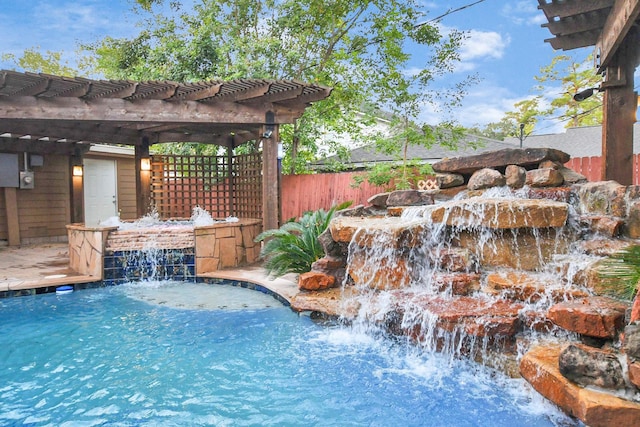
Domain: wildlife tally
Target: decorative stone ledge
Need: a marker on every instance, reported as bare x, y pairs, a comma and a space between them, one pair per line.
596, 409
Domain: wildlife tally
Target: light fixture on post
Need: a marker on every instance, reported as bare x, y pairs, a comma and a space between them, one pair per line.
145, 164
584, 94
77, 170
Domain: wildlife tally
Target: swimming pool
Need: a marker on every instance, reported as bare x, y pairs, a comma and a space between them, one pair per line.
158, 355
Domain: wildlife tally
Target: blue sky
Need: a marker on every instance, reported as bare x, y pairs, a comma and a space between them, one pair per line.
505, 48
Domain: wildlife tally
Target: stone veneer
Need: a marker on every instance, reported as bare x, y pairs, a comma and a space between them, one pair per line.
87, 248
163, 252
226, 245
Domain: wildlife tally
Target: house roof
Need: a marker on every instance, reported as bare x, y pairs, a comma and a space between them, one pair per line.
366, 155
578, 142
584, 141
45, 110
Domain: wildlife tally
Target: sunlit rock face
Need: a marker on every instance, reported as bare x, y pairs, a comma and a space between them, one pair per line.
595, 408
501, 213
597, 317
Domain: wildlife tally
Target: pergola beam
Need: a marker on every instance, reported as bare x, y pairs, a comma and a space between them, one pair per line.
622, 17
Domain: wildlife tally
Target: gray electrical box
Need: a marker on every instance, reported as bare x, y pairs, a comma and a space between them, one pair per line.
26, 180
36, 160
9, 170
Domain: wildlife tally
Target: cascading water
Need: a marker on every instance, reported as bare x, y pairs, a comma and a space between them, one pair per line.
152, 249
435, 274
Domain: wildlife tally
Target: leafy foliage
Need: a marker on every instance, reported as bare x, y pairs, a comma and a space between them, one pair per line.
359, 48
37, 62
574, 77
621, 272
294, 247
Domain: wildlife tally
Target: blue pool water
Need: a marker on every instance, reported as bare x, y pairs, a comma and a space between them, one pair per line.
133, 355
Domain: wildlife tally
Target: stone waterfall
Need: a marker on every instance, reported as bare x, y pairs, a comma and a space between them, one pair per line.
503, 269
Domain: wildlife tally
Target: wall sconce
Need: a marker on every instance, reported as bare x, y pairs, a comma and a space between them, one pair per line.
584, 94
145, 164
77, 170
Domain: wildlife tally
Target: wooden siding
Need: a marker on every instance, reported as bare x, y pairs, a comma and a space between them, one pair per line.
301, 193
44, 211
126, 188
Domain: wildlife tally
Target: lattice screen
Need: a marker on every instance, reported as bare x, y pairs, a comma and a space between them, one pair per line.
180, 183
247, 189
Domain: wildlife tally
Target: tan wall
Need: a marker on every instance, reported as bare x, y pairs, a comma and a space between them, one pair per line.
126, 188
45, 210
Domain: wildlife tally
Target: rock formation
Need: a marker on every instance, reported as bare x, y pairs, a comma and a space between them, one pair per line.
515, 253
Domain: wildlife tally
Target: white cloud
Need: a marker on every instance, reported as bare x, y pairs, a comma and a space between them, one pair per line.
523, 12
482, 45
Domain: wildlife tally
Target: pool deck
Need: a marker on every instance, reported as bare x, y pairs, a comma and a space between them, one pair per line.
47, 265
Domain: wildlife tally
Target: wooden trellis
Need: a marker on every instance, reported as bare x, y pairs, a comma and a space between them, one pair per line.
180, 183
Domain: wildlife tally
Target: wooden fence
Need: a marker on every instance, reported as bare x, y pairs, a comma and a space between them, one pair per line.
301, 193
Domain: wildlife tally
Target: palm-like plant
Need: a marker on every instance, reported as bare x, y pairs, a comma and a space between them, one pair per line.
294, 247
621, 272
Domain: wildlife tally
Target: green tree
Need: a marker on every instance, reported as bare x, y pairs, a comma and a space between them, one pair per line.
360, 48
520, 121
573, 78
35, 61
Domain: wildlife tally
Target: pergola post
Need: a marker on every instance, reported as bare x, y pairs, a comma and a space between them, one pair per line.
270, 205
619, 114
143, 178
77, 187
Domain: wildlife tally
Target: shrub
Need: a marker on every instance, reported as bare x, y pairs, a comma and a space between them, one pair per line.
294, 247
621, 272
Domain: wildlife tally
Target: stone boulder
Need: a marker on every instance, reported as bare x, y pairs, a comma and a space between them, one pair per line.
331, 266
409, 198
539, 366
527, 157
313, 281
601, 198
547, 177
379, 200
501, 213
631, 343
485, 178
633, 368
516, 176
477, 317
598, 317
373, 232
588, 366
331, 247
449, 180
635, 310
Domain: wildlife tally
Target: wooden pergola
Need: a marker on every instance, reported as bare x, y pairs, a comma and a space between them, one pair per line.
49, 114
611, 26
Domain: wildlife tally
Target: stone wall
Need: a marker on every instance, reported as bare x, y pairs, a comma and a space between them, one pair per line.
177, 252
227, 245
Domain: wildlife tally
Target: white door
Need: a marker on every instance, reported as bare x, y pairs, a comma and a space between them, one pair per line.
100, 194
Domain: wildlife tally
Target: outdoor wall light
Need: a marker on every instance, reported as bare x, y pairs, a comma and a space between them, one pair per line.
584, 94
77, 170
145, 164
